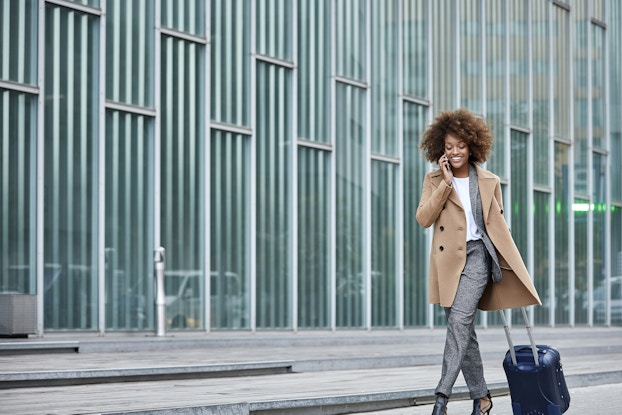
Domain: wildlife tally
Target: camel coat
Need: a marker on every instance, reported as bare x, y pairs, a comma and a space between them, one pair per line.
440, 205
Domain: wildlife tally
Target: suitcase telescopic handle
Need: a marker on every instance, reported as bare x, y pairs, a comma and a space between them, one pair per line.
534, 349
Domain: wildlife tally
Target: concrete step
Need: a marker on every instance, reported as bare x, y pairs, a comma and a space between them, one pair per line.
360, 402
320, 393
84, 377
33, 347
124, 368
144, 342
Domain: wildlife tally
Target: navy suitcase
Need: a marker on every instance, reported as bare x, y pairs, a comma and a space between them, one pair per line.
535, 377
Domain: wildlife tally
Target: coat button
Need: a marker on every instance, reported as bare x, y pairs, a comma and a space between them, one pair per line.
442, 228
502, 211
441, 248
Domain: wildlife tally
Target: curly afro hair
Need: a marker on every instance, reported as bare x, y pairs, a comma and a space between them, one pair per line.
463, 124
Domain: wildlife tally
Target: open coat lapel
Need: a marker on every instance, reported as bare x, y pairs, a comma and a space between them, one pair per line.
486, 190
476, 208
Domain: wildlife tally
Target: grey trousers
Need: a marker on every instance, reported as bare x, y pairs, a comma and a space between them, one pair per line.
461, 346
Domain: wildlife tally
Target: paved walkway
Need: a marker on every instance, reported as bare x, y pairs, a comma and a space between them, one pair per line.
589, 400
314, 372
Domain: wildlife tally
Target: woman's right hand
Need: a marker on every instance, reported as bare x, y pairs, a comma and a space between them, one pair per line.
448, 174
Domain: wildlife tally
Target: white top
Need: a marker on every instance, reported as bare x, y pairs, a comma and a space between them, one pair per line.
461, 184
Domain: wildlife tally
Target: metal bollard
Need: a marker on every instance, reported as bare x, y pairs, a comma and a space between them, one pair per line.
160, 298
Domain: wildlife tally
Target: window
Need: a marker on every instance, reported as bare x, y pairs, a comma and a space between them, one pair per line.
71, 122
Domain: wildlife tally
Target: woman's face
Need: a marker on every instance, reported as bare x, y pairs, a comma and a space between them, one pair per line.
457, 151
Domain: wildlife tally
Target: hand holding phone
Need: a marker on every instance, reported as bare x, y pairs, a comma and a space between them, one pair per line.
445, 166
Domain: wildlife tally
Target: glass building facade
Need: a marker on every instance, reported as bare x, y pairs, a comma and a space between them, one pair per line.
271, 147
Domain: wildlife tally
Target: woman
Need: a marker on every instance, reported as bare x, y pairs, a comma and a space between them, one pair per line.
474, 262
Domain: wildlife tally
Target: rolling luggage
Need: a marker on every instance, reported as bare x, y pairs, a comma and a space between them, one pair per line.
535, 377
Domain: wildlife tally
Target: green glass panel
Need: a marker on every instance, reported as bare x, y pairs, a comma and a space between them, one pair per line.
384, 275
229, 62
495, 83
129, 221
415, 246
384, 104
471, 65
599, 235
90, 3
273, 187
415, 48
614, 37
444, 59
274, 28
18, 41
181, 180
351, 39
599, 89
184, 15
130, 47
581, 102
580, 209
541, 113
229, 230
562, 92
562, 233
350, 254
314, 70
598, 9
615, 291
542, 265
615, 176
70, 169
519, 211
519, 63
314, 236
18, 136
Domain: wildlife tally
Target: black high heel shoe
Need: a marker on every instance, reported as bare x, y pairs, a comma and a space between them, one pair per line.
477, 406
440, 407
